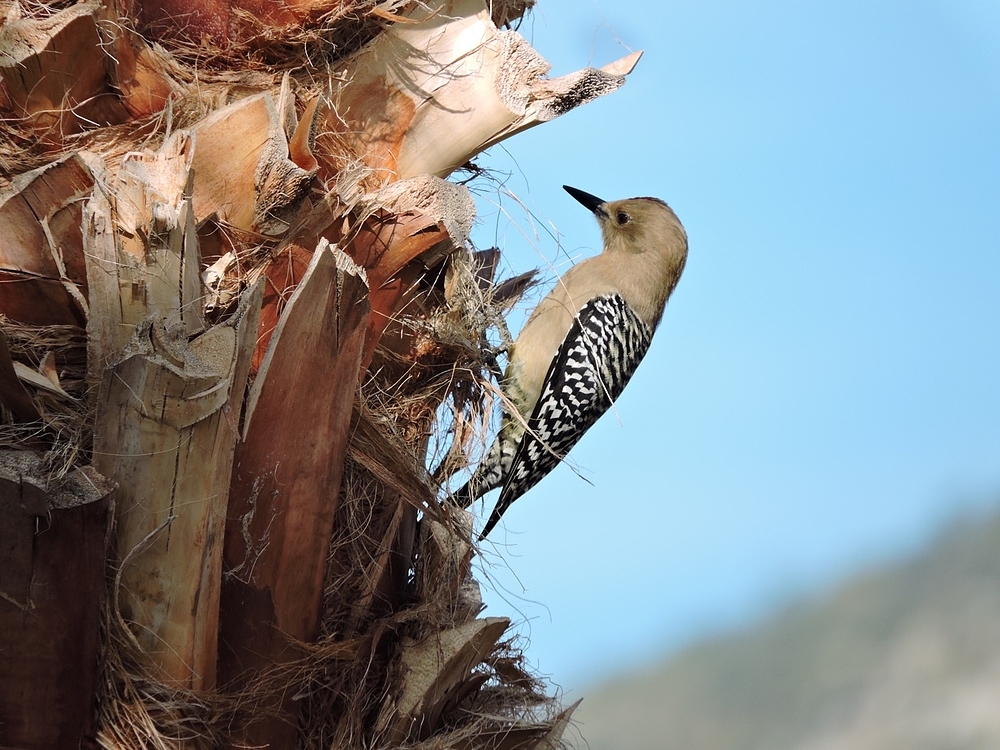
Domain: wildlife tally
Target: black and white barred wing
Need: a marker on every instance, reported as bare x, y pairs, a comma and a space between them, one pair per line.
592, 367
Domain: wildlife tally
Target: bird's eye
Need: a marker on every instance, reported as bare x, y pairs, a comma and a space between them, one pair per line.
622, 218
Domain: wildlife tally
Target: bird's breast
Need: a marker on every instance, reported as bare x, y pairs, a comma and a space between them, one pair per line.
546, 328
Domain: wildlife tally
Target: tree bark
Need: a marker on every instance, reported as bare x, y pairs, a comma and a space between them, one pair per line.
286, 480
52, 552
278, 297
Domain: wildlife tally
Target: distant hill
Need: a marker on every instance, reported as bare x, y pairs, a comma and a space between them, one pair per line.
905, 658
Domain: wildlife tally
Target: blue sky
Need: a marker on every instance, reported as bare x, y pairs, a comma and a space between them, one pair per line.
824, 390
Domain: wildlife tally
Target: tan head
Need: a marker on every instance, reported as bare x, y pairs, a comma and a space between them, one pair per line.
647, 233
636, 225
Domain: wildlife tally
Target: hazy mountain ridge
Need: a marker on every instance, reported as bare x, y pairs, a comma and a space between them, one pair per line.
904, 657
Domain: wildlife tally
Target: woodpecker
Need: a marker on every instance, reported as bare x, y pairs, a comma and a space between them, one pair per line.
581, 345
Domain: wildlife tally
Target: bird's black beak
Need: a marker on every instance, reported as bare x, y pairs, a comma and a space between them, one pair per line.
592, 202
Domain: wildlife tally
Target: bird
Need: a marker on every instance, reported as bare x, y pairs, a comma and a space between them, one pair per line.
581, 345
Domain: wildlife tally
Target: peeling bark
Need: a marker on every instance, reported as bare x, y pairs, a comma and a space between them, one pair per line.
428, 95
49, 618
42, 269
55, 73
237, 284
286, 480
167, 429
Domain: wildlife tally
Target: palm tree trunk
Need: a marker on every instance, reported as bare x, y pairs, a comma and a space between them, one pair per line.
237, 298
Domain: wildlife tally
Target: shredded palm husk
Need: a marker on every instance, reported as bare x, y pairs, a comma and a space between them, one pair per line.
432, 407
